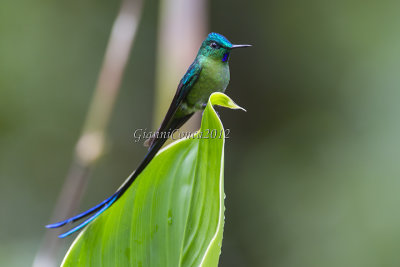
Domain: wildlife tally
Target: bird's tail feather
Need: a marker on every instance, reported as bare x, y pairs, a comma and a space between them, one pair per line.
104, 205
81, 215
83, 224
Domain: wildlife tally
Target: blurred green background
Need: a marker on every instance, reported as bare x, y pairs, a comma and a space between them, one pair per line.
312, 171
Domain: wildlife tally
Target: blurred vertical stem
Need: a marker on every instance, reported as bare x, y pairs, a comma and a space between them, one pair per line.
91, 142
183, 26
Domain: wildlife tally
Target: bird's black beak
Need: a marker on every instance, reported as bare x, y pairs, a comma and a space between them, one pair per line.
239, 46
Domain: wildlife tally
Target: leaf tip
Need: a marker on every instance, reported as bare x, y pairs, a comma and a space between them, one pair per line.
223, 100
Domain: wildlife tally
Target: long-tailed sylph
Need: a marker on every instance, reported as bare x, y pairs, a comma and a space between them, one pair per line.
208, 73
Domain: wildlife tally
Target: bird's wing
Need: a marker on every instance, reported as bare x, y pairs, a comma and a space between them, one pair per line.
170, 123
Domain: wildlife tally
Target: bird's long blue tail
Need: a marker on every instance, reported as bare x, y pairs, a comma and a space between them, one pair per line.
81, 215
100, 211
95, 211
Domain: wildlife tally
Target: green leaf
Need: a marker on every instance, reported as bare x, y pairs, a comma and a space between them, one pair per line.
173, 214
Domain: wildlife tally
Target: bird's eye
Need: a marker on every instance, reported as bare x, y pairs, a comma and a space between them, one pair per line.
214, 45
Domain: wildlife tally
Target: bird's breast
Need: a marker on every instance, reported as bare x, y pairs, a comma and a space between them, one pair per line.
214, 77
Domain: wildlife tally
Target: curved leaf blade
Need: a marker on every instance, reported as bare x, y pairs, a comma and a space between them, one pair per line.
173, 214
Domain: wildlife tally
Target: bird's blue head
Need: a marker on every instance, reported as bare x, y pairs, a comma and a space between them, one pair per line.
216, 46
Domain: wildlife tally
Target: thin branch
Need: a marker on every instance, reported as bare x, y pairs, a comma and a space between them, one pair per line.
182, 28
91, 142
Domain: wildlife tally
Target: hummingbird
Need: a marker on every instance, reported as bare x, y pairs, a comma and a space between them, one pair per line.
208, 73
